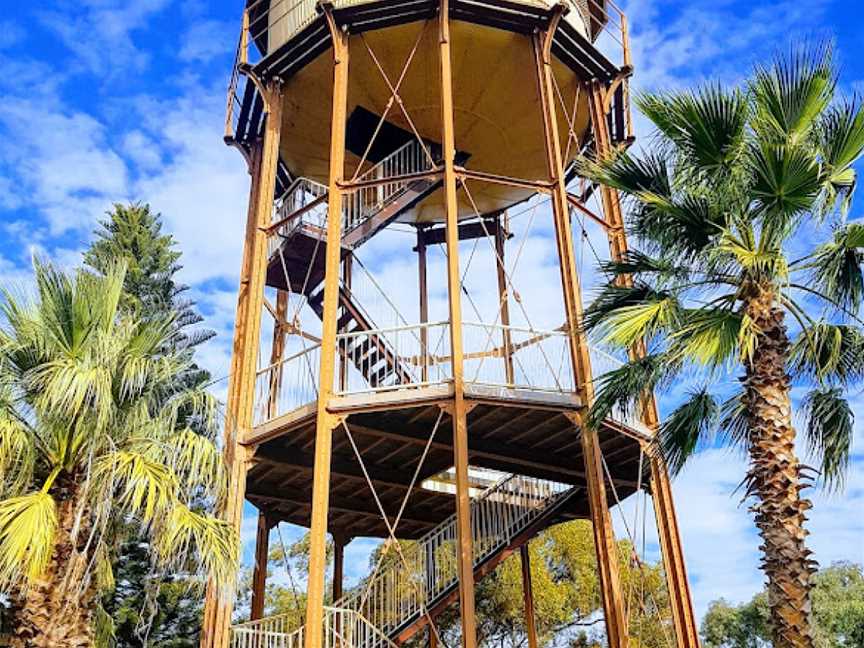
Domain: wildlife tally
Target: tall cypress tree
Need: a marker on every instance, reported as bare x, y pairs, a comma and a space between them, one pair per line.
147, 610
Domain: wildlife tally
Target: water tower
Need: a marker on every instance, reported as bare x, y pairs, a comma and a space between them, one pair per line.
393, 407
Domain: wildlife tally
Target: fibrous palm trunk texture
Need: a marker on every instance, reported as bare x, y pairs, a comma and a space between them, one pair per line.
57, 609
775, 475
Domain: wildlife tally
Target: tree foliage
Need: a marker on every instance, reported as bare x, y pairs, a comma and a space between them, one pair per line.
838, 612
745, 265
89, 434
146, 608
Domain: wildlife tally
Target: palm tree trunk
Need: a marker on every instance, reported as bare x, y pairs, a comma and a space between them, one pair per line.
57, 610
775, 476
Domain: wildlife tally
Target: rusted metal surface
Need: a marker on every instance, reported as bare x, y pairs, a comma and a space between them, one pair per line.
325, 421
528, 596
458, 411
241, 390
604, 537
259, 569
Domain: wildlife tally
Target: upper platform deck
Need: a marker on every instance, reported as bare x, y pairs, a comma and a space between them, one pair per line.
280, 36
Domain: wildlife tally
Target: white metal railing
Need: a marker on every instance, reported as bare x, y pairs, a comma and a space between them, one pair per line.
401, 590
305, 201
365, 202
288, 384
418, 355
512, 356
400, 357
342, 628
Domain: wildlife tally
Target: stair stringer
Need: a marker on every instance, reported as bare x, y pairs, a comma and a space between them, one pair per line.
482, 569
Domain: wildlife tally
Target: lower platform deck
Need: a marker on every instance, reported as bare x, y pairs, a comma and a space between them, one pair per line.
509, 431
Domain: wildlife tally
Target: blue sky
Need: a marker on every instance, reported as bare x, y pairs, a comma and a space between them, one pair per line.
106, 100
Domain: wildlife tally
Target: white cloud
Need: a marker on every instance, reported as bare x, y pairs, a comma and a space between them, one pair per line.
100, 33
62, 163
208, 39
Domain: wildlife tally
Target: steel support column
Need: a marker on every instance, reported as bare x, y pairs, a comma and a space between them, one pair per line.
325, 421
424, 304
528, 596
604, 537
259, 572
465, 553
338, 566
681, 602
276, 351
219, 604
503, 295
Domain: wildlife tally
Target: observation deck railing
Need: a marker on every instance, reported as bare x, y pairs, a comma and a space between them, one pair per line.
424, 571
540, 363
305, 201
267, 24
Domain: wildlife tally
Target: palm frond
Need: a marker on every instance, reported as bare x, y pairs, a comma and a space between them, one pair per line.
714, 337
197, 462
733, 426
28, 524
17, 452
624, 388
792, 92
829, 428
636, 263
628, 174
787, 183
687, 427
145, 486
212, 544
827, 352
706, 125
836, 267
622, 315
840, 137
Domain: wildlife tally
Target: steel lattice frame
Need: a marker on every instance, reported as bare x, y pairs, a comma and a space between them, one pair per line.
264, 160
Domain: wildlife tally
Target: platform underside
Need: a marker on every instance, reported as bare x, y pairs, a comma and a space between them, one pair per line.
506, 432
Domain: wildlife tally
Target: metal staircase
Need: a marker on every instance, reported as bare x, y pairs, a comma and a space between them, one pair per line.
296, 253
370, 353
392, 605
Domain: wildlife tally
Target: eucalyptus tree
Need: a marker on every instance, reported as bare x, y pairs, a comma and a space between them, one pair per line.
745, 264
88, 433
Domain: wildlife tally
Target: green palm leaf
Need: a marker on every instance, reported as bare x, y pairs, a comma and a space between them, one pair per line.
27, 528
829, 352
829, 428
841, 143
792, 93
686, 428
836, 267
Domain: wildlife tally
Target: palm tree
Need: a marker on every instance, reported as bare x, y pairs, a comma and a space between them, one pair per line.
745, 264
89, 435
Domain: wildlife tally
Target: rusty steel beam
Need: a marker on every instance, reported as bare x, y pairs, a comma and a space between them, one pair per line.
424, 303
671, 549
325, 421
528, 596
459, 414
467, 231
259, 573
219, 604
503, 296
604, 536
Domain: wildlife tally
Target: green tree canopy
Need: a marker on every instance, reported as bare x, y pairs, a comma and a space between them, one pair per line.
838, 614
737, 209
89, 411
